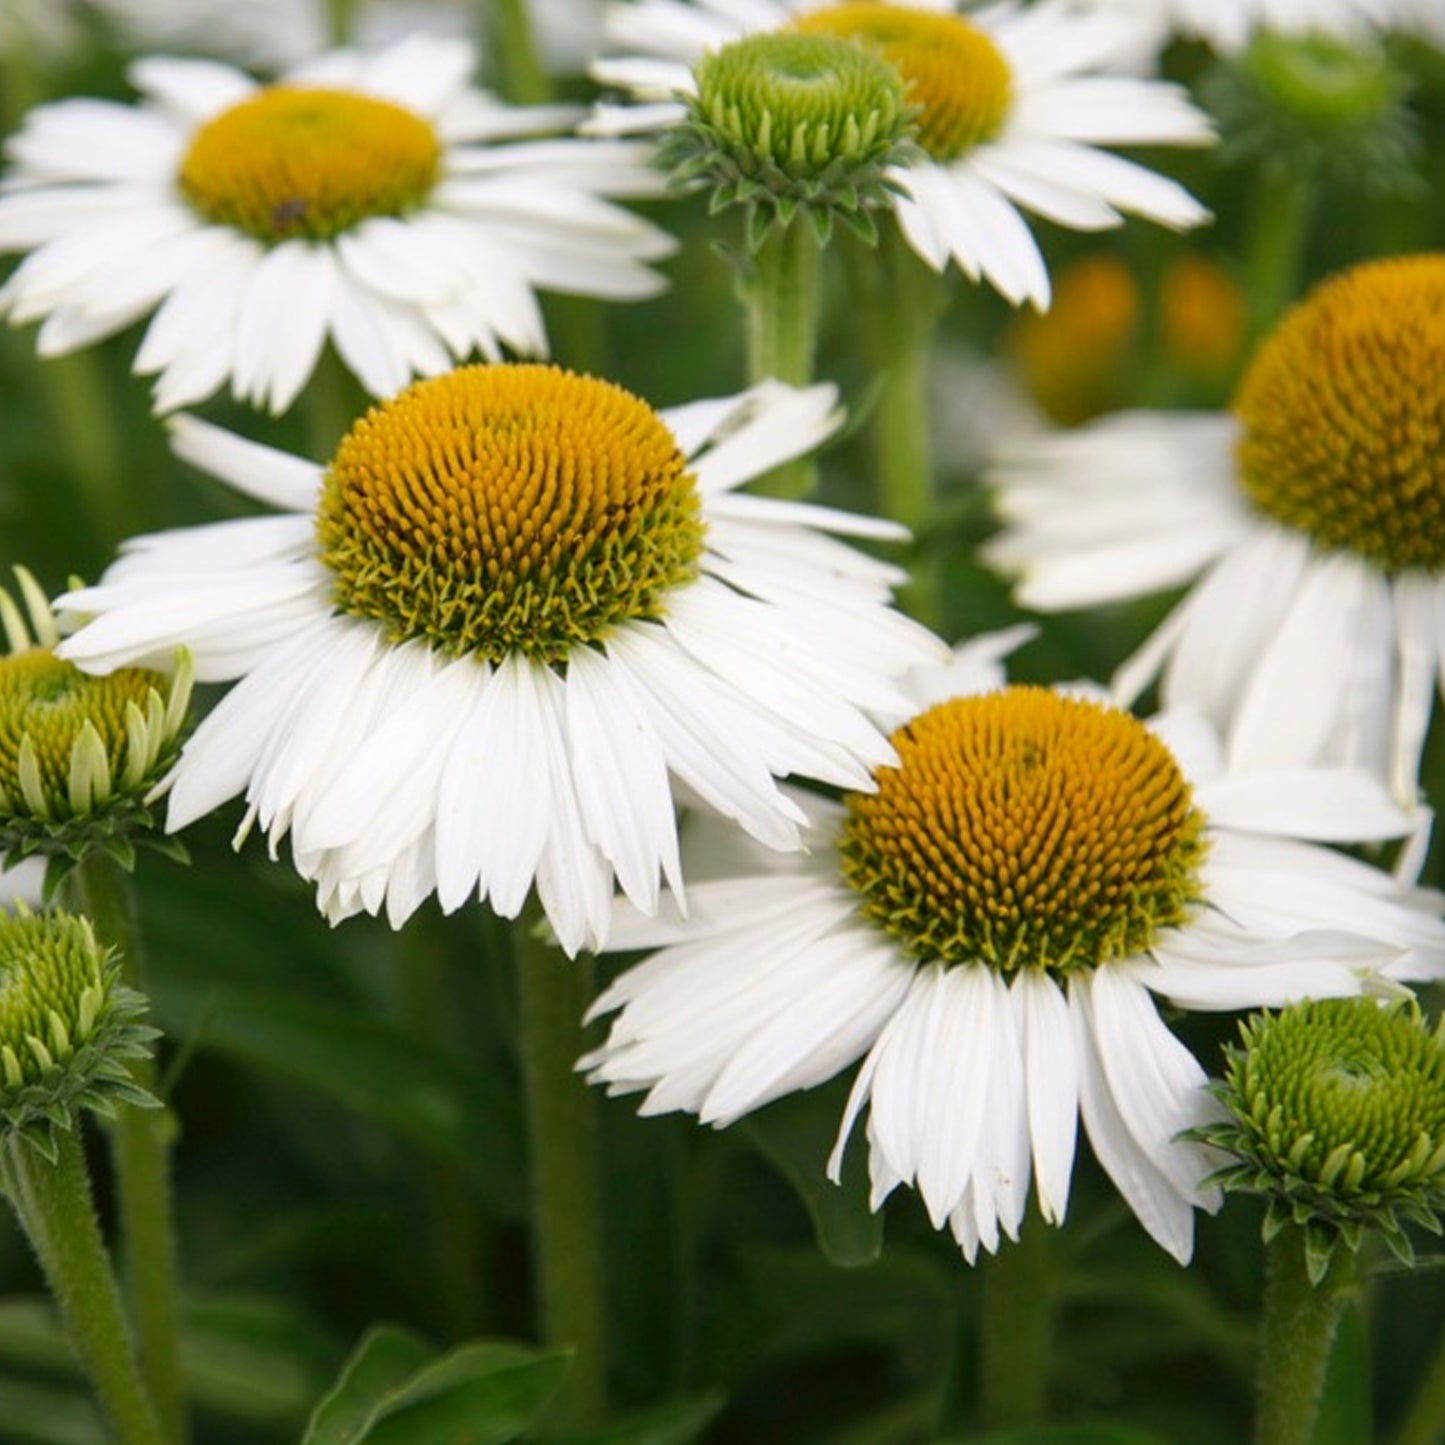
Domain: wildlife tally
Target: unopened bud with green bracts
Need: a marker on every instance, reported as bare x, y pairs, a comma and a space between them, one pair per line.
1337, 1116
1318, 107
68, 1027
80, 756
795, 126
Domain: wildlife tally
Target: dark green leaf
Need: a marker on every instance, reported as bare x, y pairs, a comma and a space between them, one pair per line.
480, 1394
383, 1362
1072, 1435
679, 1423
1344, 1417
45, 1415
796, 1135
393, 1392
370, 1068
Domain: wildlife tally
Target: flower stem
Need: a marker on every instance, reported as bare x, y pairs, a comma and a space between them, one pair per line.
781, 297
54, 1206
1019, 1300
562, 1128
1425, 1424
1278, 235
902, 302
140, 1146
1299, 1326
522, 78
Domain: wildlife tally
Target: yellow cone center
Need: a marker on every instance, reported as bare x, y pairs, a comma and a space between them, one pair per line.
509, 509
302, 161
1025, 829
50, 701
1343, 415
952, 71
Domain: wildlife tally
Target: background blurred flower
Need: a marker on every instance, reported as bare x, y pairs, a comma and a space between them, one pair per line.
1014, 105
376, 201
1315, 510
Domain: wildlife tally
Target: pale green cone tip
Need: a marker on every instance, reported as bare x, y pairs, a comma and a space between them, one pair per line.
68, 1027
1337, 1116
80, 756
795, 126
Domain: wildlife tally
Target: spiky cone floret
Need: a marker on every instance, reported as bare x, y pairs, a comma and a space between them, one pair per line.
794, 127
69, 1028
1337, 1117
80, 757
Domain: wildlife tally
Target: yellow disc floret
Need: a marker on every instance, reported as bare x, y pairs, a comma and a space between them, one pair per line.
301, 161
1343, 415
46, 704
1025, 829
509, 509
952, 71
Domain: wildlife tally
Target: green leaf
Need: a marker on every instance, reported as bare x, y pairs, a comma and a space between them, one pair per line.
679, 1423
480, 1394
384, 1360
1073, 1435
391, 1393
796, 1135
1345, 1416
249, 1357
368, 1067
44, 1415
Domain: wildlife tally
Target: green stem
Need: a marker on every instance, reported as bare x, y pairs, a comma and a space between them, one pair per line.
553, 994
522, 78
901, 302
140, 1145
781, 296
1020, 1298
1278, 235
339, 14
333, 401
456, 1231
1299, 1326
1425, 1424
54, 1206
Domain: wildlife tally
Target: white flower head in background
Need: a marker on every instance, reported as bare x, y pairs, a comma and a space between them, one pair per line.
278, 33
1014, 106
1228, 25
478, 646
986, 929
374, 200
1314, 510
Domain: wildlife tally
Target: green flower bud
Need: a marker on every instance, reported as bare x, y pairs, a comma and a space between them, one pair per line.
784, 123
1317, 107
80, 756
68, 1026
1337, 1117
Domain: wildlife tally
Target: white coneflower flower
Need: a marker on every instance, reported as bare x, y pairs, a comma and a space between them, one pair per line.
377, 201
483, 639
1013, 103
1315, 509
1228, 25
985, 930
286, 32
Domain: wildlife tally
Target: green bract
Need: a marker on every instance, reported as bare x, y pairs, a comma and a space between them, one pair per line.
1316, 105
783, 123
68, 1027
1337, 1116
80, 756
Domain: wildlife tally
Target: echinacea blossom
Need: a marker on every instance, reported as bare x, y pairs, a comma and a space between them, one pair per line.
1309, 520
987, 928
476, 649
375, 201
1014, 106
